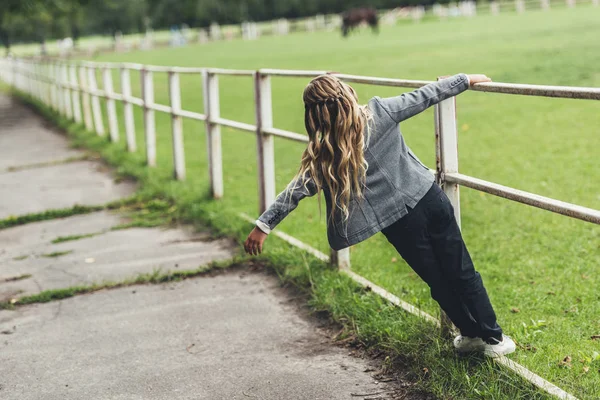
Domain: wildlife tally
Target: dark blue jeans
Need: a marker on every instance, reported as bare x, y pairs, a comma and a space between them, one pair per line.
429, 239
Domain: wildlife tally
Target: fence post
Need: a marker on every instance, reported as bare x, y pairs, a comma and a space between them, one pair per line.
75, 94
47, 85
85, 96
66, 90
96, 110
210, 83
35, 80
265, 148
149, 123
341, 258
176, 126
128, 110
113, 125
59, 92
449, 151
446, 140
51, 87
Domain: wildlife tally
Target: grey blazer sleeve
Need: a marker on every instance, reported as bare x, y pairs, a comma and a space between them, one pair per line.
288, 200
409, 104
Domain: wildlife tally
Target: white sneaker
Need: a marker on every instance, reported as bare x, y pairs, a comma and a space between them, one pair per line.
465, 344
506, 346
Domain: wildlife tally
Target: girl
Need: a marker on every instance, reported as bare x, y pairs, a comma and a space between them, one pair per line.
372, 182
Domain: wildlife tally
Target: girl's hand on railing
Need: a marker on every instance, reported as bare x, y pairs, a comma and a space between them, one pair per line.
478, 78
254, 243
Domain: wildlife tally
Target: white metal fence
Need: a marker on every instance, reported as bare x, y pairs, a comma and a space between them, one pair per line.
71, 89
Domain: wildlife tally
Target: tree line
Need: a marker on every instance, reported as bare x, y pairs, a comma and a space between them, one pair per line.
40, 20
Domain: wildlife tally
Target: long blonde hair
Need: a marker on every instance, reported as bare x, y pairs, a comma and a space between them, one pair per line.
336, 126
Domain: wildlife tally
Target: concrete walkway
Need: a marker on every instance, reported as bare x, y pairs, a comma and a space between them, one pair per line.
235, 335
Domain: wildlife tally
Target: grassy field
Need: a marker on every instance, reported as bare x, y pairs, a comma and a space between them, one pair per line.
541, 269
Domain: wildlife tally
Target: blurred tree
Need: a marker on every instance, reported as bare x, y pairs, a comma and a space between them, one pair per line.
72, 12
9, 10
112, 16
38, 20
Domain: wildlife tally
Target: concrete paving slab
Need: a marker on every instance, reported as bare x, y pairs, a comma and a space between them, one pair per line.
28, 239
232, 336
109, 256
25, 138
59, 186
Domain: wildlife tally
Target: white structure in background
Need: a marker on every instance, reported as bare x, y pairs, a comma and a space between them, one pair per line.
65, 46
390, 17
186, 32
282, 27
520, 6
495, 8
320, 21
202, 36
215, 31
468, 8
147, 41
176, 38
310, 25
571, 3
440, 11
417, 13
596, 3
249, 31
453, 10
335, 21
118, 41
545, 4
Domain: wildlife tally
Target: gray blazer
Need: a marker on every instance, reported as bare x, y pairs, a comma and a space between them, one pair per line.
395, 178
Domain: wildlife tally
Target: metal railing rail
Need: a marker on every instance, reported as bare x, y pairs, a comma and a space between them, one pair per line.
71, 89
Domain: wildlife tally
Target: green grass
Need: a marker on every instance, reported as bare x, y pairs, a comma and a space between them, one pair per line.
541, 263
47, 215
16, 278
154, 277
56, 254
62, 239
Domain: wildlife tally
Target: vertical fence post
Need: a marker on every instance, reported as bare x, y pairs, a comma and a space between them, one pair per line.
210, 85
96, 110
28, 78
75, 93
111, 109
59, 92
85, 97
449, 151
265, 145
341, 258
66, 90
446, 140
39, 80
47, 85
176, 126
35, 81
51, 87
149, 124
128, 110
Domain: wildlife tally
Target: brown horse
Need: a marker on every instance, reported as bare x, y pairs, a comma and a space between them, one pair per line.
354, 17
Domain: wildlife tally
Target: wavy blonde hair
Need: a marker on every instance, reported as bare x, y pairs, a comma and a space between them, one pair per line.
336, 126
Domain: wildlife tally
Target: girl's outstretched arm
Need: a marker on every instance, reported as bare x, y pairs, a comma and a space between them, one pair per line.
284, 204
412, 103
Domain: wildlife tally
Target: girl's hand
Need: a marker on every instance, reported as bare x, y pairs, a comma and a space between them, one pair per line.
254, 243
478, 78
